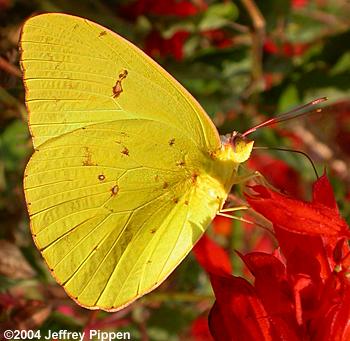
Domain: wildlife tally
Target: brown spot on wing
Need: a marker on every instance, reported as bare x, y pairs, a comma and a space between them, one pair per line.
180, 163
101, 177
117, 88
165, 185
194, 177
153, 231
88, 158
186, 202
125, 151
171, 142
115, 190
176, 200
102, 33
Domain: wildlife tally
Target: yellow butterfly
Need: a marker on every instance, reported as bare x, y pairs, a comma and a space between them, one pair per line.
128, 169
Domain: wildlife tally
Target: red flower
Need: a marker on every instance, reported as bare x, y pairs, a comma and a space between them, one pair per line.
238, 313
277, 172
269, 80
200, 330
285, 49
296, 49
182, 8
218, 37
157, 46
222, 225
301, 291
299, 3
271, 47
212, 257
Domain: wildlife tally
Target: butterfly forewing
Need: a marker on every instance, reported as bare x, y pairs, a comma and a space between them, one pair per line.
77, 73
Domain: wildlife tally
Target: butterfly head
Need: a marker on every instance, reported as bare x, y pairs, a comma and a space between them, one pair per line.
236, 147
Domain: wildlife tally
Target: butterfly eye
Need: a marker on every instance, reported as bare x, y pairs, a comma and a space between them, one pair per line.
241, 146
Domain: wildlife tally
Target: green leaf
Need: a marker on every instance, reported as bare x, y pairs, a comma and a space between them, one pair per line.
289, 98
342, 65
13, 144
218, 16
226, 10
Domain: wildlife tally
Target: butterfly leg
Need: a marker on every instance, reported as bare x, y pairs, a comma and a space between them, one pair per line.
224, 212
232, 209
246, 177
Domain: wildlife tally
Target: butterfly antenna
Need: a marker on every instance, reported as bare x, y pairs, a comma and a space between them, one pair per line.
296, 112
292, 151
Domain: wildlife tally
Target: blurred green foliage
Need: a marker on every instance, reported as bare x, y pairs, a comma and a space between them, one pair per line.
240, 75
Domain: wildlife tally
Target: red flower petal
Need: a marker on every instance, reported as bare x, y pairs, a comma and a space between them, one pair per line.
218, 37
238, 313
175, 44
277, 172
157, 46
270, 46
304, 254
172, 7
218, 330
299, 3
200, 329
322, 193
212, 257
264, 243
271, 283
297, 49
332, 319
180, 8
307, 232
222, 225
301, 282
298, 216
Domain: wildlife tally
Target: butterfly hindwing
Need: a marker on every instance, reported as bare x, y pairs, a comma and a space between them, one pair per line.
114, 212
